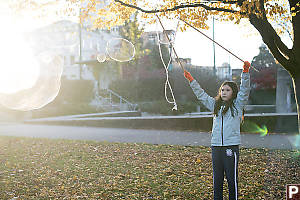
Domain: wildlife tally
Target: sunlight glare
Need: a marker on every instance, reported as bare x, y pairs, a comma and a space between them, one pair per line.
19, 69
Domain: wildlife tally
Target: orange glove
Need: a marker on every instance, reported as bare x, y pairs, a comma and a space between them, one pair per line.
246, 67
188, 76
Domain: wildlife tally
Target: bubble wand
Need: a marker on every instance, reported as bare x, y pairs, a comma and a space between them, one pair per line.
170, 43
166, 67
216, 43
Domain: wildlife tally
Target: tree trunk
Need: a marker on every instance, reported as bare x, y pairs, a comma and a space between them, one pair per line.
286, 57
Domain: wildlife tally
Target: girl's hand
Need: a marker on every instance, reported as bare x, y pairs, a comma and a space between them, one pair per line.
246, 67
188, 76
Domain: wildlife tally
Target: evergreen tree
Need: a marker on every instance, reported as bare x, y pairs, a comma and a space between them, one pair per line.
265, 63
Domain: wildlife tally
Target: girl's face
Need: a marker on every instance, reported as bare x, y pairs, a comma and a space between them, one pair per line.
226, 93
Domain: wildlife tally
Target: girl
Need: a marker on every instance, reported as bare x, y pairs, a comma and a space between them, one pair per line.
227, 108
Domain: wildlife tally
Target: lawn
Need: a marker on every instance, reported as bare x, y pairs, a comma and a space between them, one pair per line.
73, 169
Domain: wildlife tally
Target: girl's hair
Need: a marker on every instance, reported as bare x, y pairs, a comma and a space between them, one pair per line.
228, 104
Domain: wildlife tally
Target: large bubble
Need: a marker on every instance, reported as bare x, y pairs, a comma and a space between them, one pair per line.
101, 53
29, 73
166, 37
101, 57
166, 31
19, 69
43, 91
120, 50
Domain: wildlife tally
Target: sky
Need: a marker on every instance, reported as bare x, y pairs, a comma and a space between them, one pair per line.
241, 40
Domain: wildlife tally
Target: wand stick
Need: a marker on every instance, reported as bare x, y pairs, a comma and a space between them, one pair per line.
217, 43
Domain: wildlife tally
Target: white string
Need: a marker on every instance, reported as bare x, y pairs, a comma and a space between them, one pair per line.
167, 83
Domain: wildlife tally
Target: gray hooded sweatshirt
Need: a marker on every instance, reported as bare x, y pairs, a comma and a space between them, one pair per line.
226, 129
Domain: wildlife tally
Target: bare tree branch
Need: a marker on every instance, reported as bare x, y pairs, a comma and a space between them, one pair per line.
278, 42
181, 6
279, 50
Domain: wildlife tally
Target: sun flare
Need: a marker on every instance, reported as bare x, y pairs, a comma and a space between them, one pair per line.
19, 68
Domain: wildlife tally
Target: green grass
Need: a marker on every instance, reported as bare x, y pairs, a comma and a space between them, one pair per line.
72, 169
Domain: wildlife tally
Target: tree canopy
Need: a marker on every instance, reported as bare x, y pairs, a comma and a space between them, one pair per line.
104, 14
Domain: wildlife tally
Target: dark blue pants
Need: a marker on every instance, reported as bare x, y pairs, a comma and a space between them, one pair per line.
225, 160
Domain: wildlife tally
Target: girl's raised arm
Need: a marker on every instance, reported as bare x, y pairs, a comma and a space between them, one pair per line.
243, 94
201, 95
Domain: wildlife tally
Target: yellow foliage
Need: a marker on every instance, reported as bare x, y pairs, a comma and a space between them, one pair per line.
195, 16
112, 13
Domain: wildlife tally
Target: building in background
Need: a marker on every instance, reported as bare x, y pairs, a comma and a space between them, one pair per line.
149, 38
236, 75
63, 38
224, 72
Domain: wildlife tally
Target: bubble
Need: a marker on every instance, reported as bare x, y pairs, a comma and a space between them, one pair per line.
166, 28
43, 91
101, 57
19, 69
120, 49
101, 54
163, 37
